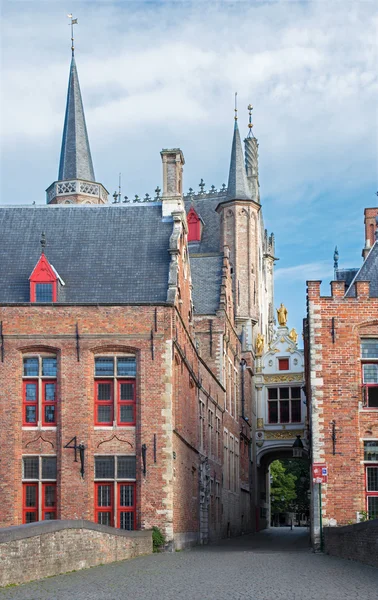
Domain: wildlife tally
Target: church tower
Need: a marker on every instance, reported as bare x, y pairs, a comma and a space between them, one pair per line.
243, 233
76, 179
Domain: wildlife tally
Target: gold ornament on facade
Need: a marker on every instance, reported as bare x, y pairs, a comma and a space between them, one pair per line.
259, 344
260, 423
282, 315
282, 435
293, 335
283, 378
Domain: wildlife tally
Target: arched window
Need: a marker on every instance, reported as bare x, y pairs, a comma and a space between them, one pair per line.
194, 226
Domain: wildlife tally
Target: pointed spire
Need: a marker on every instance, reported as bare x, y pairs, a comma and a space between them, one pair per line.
238, 188
75, 156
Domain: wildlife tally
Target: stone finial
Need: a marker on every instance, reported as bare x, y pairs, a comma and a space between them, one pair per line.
43, 241
173, 163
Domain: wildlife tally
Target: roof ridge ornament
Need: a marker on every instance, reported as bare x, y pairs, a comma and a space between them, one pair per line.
250, 124
236, 107
73, 22
43, 241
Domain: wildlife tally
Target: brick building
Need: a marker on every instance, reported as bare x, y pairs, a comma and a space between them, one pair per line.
127, 348
341, 342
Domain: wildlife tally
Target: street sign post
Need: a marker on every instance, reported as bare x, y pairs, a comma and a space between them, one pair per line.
319, 473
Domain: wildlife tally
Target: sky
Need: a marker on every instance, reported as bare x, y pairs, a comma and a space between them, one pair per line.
163, 74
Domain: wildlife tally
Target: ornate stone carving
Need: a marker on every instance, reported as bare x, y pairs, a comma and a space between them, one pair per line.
283, 378
259, 344
283, 435
260, 423
282, 315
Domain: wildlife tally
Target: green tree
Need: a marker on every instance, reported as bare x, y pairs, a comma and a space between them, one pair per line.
301, 470
282, 488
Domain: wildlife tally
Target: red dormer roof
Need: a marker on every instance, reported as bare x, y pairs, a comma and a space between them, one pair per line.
194, 226
43, 272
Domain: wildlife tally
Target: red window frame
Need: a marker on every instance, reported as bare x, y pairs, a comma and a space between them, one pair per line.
366, 386
49, 402
105, 509
368, 494
283, 364
48, 509
99, 403
30, 403
126, 509
33, 290
194, 226
126, 402
29, 509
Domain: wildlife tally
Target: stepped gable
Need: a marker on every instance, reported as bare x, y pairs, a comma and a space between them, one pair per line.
104, 254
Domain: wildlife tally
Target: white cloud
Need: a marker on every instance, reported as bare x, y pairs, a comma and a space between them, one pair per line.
305, 272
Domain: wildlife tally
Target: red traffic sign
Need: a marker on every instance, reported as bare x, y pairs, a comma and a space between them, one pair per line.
319, 473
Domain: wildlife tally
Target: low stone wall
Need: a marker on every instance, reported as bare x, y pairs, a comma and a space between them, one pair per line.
48, 548
355, 542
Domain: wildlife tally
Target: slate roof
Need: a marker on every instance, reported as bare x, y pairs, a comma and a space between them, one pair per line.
75, 155
368, 272
104, 254
238, 188
346, 275
206, 278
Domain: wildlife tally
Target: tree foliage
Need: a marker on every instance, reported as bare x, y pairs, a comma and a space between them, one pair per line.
282, 488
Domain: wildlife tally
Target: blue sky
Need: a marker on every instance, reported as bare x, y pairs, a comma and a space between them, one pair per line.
163, 74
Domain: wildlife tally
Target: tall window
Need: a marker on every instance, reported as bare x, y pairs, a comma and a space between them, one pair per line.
369, 355
39, 488
210, 414
39, 390
115, 491
226, 470
217, 438
115, 390
372, 491
202, 426
284, 405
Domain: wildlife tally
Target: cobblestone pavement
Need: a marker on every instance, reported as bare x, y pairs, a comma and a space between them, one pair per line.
272, 565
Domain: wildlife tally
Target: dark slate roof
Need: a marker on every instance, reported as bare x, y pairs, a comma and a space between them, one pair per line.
346, 275
238, 187
75, 156
206, 278
211, 233
103, 253
368, 272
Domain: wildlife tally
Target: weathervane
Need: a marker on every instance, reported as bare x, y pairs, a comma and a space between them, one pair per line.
250, 124
236, 106
73, 22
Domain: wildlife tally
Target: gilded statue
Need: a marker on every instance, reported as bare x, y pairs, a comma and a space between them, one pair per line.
282, 315
293, 335
259, 344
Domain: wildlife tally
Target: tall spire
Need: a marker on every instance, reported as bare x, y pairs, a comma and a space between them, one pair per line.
75, 156
238, 188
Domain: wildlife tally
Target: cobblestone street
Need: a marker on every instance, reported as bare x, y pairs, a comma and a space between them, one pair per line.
272, 565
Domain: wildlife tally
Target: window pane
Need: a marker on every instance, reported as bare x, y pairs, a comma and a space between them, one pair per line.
103, 518
49, 366
49, 467
104, 467
49, 516
30, 470
31, 367
31, 517
371, 450
126, 495
104, 391
126, 467
104, 414
369, 348
126, 366
273, 412
296, 411
373, 397
127, 413
104, 366
284, 411
50, 496
31, 496
50, 414
104, 495
31, 392
284, 393
373, 507
370, 373
30, 414
295, 392
372, 479
50, 392
126, 521
126, 391
273, 393
43, 292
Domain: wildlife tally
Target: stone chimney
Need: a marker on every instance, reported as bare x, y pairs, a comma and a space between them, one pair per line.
172, 197
370, 229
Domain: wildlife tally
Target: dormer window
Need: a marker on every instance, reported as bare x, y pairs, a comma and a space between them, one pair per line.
44, 282
194, 226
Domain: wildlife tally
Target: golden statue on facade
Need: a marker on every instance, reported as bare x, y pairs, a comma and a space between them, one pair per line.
293, 335
259, 344
282, 315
